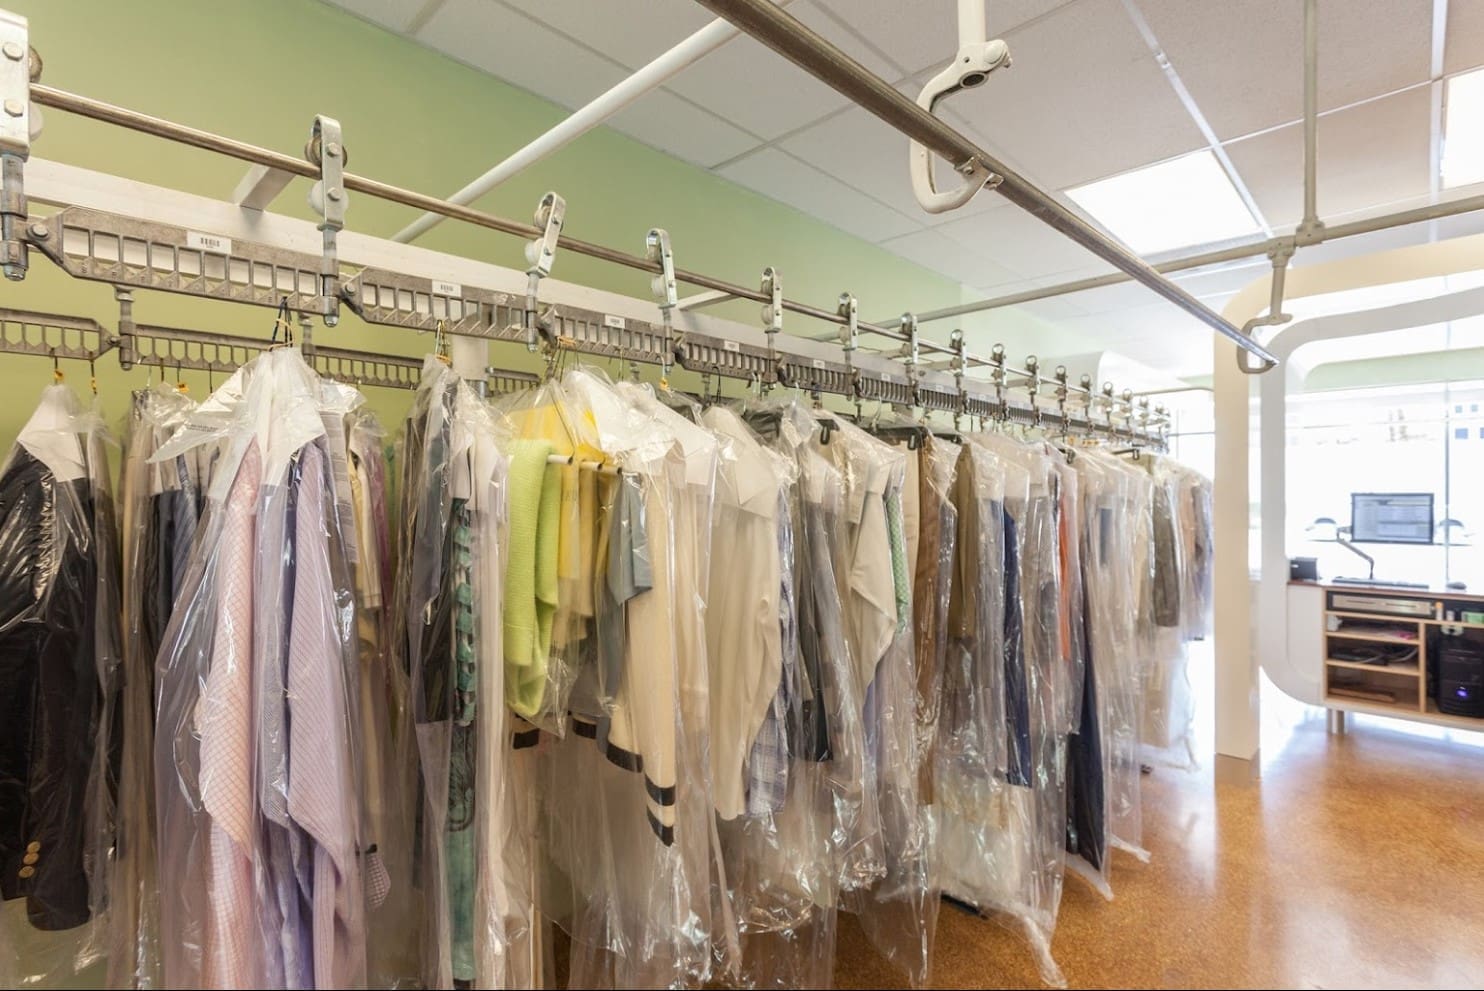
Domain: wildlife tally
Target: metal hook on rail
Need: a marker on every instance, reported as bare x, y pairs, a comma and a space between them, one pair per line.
20, 124
551, 214
327, 197
772, 313
657, 249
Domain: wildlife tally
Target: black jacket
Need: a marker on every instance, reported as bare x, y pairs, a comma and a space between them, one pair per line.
50, 697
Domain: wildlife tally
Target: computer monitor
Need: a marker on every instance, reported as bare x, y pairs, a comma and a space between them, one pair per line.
1391, 517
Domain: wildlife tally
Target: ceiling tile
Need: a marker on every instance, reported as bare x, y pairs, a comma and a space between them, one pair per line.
507, 44
941, 254
393, 15
863, 151
629, 31
1022, 244
815, 17
790, 181
1465, 39
663, 120
924, 34
1054, 310
1083, 100
1369, 156
763, 92
1243, 60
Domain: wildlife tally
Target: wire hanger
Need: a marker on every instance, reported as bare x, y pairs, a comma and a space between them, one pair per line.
57, 377
441, 345
280, 322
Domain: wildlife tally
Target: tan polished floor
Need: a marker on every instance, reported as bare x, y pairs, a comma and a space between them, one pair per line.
1356, 861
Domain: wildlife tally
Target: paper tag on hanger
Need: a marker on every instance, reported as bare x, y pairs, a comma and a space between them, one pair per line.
450, 289
730, 346
617, 323
212, 243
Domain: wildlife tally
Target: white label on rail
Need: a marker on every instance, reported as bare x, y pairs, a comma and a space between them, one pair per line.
450, 289
818, 362
730, 346
616, 322
212, 243
885, 376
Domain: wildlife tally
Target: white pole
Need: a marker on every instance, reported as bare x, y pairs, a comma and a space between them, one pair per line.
656, 73
972, 29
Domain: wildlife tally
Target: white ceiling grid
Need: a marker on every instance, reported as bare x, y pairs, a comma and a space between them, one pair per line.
1085, 98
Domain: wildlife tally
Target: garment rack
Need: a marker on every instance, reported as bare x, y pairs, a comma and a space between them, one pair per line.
61, 336
137, 236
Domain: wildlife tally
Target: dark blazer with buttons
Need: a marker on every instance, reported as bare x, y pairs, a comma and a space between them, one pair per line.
50, 695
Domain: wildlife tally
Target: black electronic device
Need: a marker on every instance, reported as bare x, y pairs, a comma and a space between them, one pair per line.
1460, 683
1303, 569
1391, 517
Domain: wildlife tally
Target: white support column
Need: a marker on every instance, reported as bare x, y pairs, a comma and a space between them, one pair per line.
1238, 707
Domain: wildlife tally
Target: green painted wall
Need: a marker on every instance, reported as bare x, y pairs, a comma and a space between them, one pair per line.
259, 71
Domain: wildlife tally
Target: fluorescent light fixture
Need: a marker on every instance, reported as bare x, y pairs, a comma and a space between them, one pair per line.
1173, 204
1463, 130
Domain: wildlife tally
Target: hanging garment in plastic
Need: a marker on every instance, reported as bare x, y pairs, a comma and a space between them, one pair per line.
161, 506
256, 748
60, 675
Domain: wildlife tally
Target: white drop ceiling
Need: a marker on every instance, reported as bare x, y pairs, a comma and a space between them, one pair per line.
1095, 90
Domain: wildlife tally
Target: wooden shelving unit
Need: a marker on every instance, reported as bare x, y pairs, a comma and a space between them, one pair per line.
1398, 689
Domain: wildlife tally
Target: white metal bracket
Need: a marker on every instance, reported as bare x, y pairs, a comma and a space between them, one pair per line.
327, 197
18, 66
260, 187
976, 58
657, 249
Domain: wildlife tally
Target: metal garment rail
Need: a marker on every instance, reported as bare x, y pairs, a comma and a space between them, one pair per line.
787, 36
83, 106
134, 236
194, 137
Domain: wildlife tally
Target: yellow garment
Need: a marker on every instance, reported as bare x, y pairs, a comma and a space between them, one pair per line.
553, 420
531, 574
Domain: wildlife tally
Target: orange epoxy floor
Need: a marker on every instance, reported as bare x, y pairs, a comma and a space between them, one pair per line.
1356, 861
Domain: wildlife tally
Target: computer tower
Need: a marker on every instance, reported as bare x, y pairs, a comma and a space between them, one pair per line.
1460, 681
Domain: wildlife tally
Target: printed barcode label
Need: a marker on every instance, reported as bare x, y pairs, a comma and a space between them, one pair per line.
450, 289
731, 346
616, 322
213, 243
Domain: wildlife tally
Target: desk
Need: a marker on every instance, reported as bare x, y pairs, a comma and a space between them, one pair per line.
1331, 626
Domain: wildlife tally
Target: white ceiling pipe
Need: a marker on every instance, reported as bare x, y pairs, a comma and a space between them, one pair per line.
688, 52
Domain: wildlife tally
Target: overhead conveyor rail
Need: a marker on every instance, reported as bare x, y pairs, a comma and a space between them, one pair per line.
136, 236
789, 37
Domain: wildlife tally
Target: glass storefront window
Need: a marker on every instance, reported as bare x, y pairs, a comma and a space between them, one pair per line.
1415, 438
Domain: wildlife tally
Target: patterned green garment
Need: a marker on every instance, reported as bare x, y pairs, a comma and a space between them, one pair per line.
462, 755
